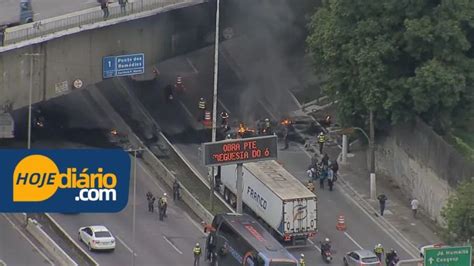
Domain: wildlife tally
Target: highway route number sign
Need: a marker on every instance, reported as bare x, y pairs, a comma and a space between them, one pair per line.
234, 151
448, 256
123, 65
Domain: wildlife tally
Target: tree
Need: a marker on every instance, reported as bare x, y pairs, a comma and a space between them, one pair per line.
459, 214
398, 58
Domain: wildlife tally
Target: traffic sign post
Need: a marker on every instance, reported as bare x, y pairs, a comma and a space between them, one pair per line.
239, 151
448, 256
123, 65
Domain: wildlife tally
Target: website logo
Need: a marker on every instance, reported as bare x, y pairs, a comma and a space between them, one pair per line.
64, 180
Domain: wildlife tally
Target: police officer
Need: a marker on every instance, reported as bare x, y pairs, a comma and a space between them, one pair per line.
378, 250
202, 108
267, 127
302, 262
321, 141
163, 205
197, 254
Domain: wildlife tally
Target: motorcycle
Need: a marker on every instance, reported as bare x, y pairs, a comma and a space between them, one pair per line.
394, 261
327, 256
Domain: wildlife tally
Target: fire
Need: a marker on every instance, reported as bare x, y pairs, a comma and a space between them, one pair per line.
114, 132
243, 129
286, 122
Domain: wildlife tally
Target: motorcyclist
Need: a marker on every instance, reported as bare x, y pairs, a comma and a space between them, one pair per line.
325, 246
391, 258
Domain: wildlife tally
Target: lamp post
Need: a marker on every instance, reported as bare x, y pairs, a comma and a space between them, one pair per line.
214, 100
134, 199
31, 55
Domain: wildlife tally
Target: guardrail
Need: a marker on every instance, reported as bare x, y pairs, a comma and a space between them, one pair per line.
61, 257
79, 19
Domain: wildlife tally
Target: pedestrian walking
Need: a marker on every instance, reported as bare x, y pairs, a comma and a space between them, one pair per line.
414, 206
176, 190
123, 4
104, 5
330, 179
197, 254
334, 167
382, 200
321, 141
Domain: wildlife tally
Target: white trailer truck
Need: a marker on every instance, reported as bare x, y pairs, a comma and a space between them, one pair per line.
275, 197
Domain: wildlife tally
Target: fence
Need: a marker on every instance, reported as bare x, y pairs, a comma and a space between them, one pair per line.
79, 19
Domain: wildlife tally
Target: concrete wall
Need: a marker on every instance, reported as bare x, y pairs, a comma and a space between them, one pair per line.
79, 56
422, 164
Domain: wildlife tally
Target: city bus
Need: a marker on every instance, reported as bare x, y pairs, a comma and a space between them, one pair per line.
239, 240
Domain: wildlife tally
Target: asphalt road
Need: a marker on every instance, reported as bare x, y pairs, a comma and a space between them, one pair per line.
167, 242
16, 248
363, 232
10, 9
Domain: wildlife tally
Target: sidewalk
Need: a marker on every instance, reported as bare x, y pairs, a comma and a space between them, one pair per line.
355, 175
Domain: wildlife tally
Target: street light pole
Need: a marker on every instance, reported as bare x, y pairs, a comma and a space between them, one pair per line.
214, 100
134, 199
30, 96
371, 141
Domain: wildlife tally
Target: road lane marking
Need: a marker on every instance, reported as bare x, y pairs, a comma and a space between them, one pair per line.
27, 239
192, 65
172, 245
314, 245
352, 239
125, 245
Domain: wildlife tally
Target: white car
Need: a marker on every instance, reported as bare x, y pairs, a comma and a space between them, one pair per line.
97, 237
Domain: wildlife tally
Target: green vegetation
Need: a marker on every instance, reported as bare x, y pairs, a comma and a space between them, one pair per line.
464, 142
459, 214
398, 58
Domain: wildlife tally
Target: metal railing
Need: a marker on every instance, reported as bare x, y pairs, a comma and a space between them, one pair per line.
79, 19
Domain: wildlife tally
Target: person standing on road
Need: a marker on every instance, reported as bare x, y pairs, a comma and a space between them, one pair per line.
176, 188
325, 160
322, 176
378, 250
104, 5
151, 200
321, 141
123, 4
302, 262
414, 206
197, 254
330, 179
334, 166
382, 201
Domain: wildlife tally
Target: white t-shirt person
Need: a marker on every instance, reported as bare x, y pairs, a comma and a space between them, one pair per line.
414, 206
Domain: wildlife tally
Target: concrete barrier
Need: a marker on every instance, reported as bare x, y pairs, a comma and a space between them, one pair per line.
168, 177
64, 235
61, 257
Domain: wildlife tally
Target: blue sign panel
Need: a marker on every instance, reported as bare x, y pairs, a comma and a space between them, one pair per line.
123, 65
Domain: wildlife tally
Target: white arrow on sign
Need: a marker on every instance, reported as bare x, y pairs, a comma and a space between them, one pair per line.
431, 260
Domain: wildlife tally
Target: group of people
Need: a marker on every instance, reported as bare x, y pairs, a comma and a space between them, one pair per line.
324, 170
104, 5
162, 204
391, 258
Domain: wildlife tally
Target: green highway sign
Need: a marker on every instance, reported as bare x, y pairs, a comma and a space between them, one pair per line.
448, 256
